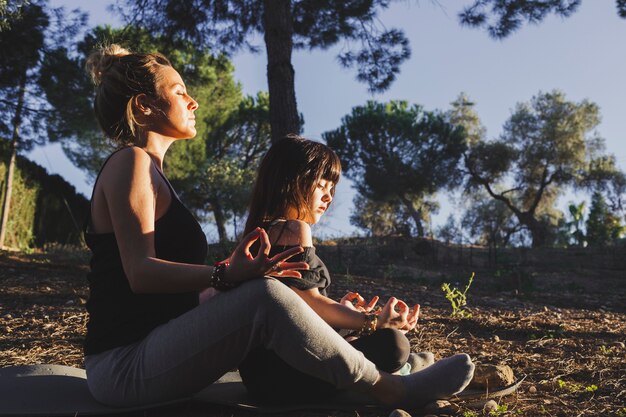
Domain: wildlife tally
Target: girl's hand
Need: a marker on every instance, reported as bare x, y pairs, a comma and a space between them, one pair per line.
402, 319
349, 299
244, 266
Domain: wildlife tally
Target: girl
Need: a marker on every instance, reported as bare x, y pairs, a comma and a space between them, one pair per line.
149, 340
295, 186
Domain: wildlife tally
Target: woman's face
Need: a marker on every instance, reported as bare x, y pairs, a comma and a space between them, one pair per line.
320, 200
176, 117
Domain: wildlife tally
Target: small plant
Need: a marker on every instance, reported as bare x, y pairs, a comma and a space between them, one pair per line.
501, 409
621, 412
458, 299
470, 413
606, 350
575, 388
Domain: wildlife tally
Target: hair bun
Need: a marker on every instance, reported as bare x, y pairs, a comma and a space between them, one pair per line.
101, 60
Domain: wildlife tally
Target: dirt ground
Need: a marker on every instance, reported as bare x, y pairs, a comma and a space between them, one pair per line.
565, 332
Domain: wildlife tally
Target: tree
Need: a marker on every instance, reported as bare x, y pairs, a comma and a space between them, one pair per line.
509, 16
450, 232
547, 145
489, 222
70, 91
574, 226
222, 183
603, 226
285, 25
233, 132
297, 24
398, 154
28, 33
385, 218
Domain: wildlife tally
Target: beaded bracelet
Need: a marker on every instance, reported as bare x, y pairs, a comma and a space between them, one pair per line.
369, 327
217, 278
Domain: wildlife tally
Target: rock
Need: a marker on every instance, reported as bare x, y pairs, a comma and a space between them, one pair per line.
492, 376
399, 413
441, 406
532, 389
490, 406
496, 338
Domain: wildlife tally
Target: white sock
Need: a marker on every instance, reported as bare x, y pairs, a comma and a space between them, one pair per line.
440, 380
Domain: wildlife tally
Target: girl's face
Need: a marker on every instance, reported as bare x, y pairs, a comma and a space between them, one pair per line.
320, 200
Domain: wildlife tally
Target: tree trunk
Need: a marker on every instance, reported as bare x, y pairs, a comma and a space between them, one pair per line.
220, 219
416, 215
537, 229
17, 120
278, 23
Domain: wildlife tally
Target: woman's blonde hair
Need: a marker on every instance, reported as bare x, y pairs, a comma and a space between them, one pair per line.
119, 76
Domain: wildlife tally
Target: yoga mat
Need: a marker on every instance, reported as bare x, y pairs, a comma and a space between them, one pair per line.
58, 390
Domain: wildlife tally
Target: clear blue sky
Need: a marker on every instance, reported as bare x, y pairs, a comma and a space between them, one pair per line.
580, 55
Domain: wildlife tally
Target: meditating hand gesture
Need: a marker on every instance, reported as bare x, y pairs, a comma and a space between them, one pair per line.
243, 266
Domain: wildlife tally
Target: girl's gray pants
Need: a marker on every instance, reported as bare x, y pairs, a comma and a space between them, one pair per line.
181, 357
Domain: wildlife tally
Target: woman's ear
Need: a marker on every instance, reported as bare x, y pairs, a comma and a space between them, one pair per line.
143, 104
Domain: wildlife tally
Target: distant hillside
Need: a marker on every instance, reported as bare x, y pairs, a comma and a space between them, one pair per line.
44, 208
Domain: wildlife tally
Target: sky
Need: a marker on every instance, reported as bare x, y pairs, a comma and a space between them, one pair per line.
580, 56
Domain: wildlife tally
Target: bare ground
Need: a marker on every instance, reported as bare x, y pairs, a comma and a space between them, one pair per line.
564, 331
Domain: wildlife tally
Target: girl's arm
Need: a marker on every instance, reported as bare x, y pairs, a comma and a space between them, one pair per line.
296, 232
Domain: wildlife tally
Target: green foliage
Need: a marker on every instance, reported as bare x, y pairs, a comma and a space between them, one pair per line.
574, 226
463, 114
458, 299
374, 50
398, 154
208, 78
34, 31
450, 231
507, 17
548, 144
574, 387
500, 410
46, 210
222, 183
489, 221
606, 350
385, 218
603, 226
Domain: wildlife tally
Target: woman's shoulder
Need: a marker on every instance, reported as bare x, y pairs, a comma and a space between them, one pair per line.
126, 162
291, 233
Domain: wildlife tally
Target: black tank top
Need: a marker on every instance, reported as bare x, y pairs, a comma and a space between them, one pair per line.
118, 316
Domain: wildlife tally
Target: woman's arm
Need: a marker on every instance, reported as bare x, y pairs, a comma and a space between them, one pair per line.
133, 190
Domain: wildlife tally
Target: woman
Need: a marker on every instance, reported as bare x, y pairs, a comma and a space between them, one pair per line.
149, 340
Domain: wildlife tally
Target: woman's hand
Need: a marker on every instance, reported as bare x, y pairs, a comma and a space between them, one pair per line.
397, 315
354, 301
244, 266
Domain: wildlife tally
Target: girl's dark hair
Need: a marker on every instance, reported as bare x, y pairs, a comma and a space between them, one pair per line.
287, 177
119, 76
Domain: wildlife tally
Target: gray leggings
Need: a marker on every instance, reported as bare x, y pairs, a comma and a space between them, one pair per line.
181, 357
